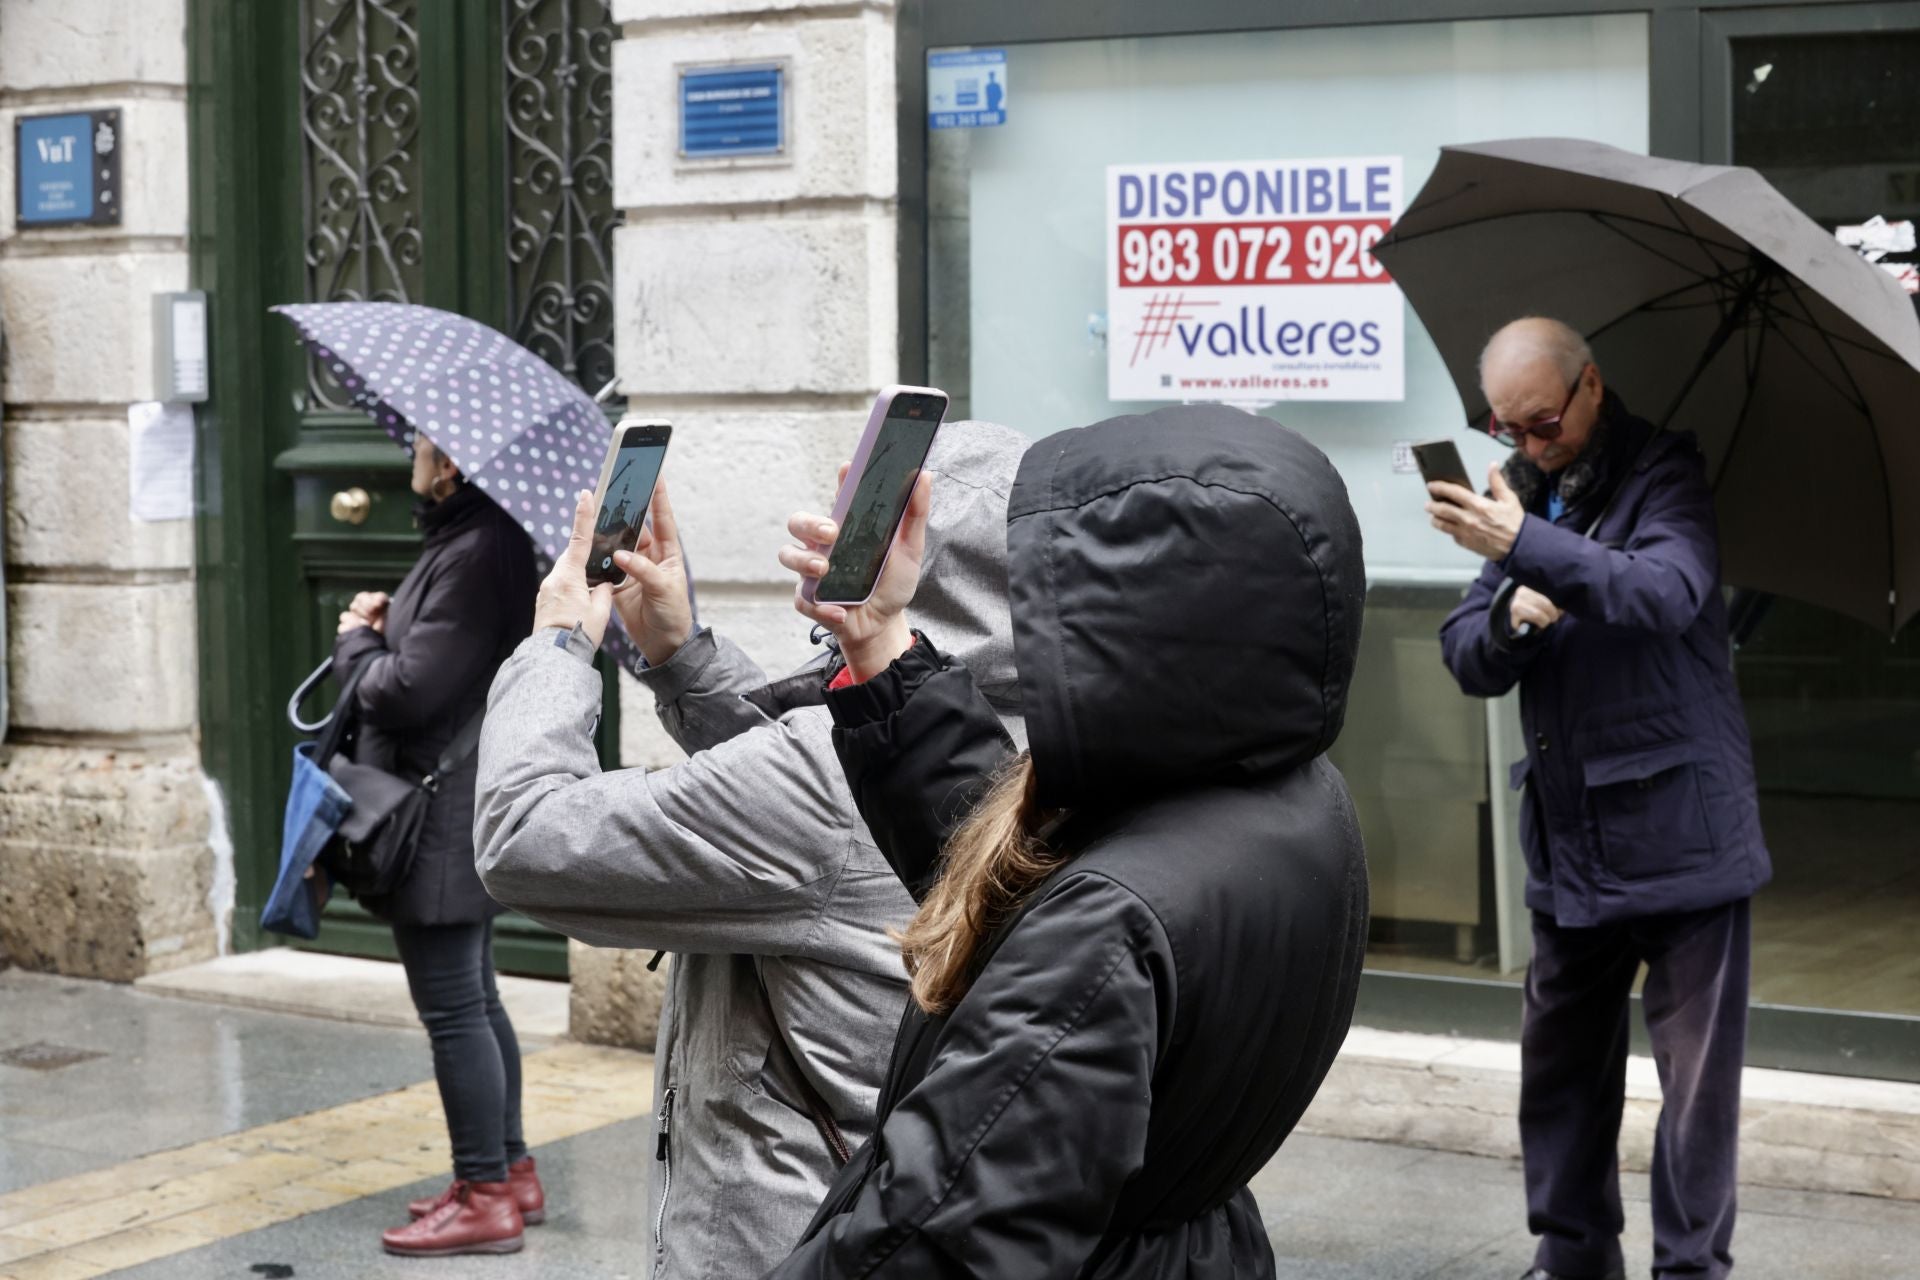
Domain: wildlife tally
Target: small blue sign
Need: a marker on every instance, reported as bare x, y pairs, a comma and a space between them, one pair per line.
69, 169
967, 89
732, 111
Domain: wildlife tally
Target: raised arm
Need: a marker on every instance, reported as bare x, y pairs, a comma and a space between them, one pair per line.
919, 745
738, 849
697, 692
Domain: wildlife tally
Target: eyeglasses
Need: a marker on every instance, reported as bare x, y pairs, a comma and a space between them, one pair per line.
1547, 428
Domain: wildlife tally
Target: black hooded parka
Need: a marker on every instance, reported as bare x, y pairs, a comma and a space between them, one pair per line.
1144, 1033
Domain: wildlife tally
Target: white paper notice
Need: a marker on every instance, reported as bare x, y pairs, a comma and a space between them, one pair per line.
160, 468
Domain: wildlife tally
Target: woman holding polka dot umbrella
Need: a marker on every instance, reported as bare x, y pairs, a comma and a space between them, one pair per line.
501, 442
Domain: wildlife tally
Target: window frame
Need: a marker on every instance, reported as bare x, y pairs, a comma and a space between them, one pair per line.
1689, 60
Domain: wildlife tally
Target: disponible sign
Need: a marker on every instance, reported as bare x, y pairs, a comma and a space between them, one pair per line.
1253, 281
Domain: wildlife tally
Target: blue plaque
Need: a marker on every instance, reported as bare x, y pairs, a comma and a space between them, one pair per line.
732, 111
68, 170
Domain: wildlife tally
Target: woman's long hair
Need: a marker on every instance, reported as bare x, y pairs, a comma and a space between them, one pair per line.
992, 863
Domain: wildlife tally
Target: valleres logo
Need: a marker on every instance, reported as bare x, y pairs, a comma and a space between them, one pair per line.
1250, 334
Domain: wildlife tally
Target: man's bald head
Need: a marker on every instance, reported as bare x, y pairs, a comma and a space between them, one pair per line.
1536, 370
1537, 338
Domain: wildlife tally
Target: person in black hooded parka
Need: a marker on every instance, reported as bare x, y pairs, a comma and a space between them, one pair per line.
1139, 942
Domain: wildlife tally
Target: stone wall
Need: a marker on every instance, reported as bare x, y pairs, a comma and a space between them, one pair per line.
104, 863
758, 314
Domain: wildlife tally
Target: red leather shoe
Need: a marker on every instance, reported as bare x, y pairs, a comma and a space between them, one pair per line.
527, 1193
418, 1209
477, 1217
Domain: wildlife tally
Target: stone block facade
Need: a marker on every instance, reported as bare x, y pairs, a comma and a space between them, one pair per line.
757, 313
756, 303
106, 865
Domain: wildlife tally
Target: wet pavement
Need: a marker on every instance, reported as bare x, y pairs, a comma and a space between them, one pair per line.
342, 1115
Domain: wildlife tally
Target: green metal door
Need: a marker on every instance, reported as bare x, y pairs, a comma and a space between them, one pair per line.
453, 153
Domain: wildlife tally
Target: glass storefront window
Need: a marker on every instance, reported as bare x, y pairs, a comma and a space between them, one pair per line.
1016, 331
1834, 706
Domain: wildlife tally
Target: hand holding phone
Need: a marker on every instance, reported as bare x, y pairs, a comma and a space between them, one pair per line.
1439, 460
654, 604
873, 633
874, 492
627, 478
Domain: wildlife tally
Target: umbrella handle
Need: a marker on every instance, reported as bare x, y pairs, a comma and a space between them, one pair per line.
307, 686
1498, 606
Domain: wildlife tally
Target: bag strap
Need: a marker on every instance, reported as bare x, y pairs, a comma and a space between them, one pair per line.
343, 719
789, 1066
462, 746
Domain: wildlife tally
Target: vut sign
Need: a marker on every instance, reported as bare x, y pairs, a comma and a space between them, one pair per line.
69, 169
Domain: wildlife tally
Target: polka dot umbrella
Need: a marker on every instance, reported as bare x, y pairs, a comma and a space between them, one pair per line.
517, 428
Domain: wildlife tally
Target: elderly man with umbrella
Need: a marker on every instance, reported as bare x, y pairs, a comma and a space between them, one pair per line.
1600, 600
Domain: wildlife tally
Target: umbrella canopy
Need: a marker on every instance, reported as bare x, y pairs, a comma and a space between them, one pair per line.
1710, 300
512, 423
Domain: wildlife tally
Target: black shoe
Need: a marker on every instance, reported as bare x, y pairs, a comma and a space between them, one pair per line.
1541, 1273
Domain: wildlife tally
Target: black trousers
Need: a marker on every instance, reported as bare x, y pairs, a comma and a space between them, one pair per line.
476, 1057
1573, 1077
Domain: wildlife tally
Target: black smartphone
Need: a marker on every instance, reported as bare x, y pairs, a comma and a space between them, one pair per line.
633, 465
1440, 460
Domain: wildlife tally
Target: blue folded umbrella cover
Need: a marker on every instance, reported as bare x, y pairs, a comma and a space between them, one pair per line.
316, 804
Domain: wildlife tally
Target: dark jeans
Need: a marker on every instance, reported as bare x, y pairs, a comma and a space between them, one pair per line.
1573, 1075
476, 1058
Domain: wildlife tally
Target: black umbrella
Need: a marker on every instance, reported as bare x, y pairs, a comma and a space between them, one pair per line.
1717, 307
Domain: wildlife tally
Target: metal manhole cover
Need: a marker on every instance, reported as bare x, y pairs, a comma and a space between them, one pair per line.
41, 1056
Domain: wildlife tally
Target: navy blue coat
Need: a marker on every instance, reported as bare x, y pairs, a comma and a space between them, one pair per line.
1639, 790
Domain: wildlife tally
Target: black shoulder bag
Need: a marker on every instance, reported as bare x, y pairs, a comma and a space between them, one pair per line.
373, 848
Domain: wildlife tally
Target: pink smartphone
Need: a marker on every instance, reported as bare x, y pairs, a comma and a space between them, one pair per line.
873, 498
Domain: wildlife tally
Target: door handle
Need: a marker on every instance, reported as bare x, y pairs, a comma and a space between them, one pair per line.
351, 506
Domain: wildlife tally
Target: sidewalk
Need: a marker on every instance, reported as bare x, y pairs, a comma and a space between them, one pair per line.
305, 1137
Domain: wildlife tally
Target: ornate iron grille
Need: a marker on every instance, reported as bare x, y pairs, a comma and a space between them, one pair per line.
560, 215
360, 122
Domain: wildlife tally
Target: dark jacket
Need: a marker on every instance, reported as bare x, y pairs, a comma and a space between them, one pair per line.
462, 608
1640, 796
1141, 1037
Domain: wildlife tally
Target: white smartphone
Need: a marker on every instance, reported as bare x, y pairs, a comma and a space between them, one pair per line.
634, 457
873, 498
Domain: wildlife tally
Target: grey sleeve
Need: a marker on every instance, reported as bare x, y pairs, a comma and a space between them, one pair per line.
697, 692
738, 849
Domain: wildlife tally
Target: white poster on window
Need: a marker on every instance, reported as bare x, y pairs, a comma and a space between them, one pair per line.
1253, 281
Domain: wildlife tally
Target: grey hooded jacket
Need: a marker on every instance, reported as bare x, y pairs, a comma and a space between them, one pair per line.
750, 863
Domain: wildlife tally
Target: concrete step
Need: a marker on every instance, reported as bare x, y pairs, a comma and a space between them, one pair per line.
1798, 1131
346, 988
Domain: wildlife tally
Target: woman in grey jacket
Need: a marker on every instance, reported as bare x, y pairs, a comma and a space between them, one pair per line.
748, 861
429, 653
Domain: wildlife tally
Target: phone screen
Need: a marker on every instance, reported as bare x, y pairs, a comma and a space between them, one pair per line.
636, 466
880, 499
